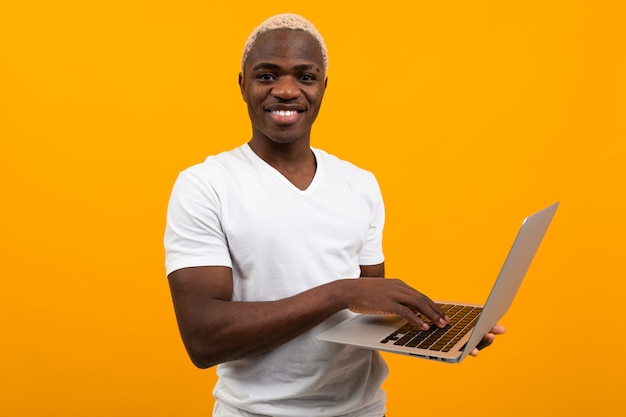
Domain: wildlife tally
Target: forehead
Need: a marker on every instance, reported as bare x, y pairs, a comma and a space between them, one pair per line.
286, 46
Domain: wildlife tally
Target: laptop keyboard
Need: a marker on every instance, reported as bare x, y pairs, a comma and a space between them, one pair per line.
462, 319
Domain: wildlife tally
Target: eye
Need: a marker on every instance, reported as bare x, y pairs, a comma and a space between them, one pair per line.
265, 77
307, 78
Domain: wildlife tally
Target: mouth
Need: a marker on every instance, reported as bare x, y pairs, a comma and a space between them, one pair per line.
283, 115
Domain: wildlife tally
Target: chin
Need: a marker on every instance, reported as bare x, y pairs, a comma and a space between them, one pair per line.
287, 138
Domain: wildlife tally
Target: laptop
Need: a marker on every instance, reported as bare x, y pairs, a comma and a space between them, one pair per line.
469, 322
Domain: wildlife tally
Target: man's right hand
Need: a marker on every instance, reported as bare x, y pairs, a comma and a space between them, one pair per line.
392, 296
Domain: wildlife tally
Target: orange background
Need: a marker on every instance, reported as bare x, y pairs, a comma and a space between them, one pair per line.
472, 115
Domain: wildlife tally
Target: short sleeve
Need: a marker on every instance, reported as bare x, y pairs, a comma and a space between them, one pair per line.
193, 231
372, 252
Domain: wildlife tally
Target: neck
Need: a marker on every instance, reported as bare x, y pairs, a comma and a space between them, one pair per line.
294, 153
294, 160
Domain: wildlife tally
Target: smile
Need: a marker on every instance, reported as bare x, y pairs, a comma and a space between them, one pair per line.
285, 116
284, 113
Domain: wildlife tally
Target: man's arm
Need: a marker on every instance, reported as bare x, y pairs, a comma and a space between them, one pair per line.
216, 329
373, 271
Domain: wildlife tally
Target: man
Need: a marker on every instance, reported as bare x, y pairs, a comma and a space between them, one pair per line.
271, 243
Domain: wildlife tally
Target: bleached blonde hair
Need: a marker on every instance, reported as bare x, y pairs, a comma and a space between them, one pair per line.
285, 21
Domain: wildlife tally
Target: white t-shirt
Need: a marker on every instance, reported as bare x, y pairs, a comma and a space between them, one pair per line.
236, 210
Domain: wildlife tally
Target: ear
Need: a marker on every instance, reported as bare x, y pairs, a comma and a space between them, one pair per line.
325, 83
241, 86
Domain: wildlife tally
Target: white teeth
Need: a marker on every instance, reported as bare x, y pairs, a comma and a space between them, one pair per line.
284, 112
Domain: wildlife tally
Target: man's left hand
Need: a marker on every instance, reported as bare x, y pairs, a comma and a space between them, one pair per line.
488, 339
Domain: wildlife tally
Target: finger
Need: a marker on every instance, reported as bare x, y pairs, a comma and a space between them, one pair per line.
487, 341
413, 317
497, 329
413, 300
431, 310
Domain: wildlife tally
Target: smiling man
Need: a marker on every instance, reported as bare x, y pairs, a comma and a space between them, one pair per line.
283, 80
271, 243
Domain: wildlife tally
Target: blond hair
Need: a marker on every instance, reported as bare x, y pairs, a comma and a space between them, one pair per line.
285, 21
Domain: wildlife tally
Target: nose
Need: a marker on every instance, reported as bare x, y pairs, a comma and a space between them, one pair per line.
286, 88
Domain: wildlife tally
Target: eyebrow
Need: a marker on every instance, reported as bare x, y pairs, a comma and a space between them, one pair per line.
264, 65
307, 67
270, 66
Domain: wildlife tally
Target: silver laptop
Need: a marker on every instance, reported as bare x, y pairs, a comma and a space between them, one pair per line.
469, 322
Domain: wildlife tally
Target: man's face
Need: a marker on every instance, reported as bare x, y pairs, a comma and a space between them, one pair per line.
283, 84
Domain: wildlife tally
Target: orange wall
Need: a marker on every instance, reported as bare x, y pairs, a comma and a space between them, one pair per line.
472, 115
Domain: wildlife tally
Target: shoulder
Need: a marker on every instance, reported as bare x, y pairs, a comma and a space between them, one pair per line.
223, 161
215, 168
344, 171
337, 164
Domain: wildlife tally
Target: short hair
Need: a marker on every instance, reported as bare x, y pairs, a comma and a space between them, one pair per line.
285, 21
